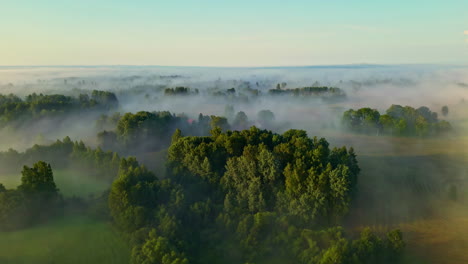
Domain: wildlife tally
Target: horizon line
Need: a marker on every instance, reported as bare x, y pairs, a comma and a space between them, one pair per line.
245, 67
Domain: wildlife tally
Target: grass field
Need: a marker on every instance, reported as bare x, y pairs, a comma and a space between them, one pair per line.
70, 183
70, 240
404, 184
442, 239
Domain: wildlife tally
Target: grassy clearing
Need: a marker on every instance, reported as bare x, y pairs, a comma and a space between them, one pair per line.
69, 240
442, 241
439, 239
405, 183
70, 183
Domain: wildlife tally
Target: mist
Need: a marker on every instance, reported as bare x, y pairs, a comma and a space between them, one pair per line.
405, 181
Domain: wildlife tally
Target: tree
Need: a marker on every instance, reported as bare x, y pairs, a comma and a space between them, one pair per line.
157, 250
176, 136
35, 200
445, 110
265, 117
229, 111
218, 121
38, 181
398, 120
241, 121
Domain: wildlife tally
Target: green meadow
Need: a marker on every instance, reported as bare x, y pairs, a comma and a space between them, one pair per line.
72, 240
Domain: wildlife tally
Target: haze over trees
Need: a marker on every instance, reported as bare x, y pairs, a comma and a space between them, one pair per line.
246, 197
36, 106
326, 93
152, 131
444, 110
63, 154
189, 168
398, 121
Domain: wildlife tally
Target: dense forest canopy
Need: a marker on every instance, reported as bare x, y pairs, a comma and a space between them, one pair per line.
246, 197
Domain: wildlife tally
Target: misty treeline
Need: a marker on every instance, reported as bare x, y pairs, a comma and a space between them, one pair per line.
64, 154
144, 131
37, 199
398, 120
180, 91
14, 109
245, 92
249, 196
151, 131
326, 93
231, 192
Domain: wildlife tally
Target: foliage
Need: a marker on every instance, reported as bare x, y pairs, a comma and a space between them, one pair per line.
398, 120
445, 110
152, 131
265, 118
326, 93
35, 106
64, 154
35, 200
180, 91
245, 197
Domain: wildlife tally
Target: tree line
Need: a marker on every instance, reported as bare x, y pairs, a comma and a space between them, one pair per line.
34, 106
323, 92
64, 154
398, 120
144, 131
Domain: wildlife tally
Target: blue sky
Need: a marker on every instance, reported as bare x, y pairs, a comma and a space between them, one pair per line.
232, 33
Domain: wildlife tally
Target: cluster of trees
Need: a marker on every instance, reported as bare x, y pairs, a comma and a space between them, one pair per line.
315, 91
64, 154
248, 196
35, 200
105, 99
13, 108
240, 95
240, 121
180, 91
398, 120
151, 131
107, 121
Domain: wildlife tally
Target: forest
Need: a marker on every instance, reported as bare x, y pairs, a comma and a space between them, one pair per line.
172, 168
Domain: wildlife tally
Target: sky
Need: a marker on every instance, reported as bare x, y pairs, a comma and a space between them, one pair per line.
233, 33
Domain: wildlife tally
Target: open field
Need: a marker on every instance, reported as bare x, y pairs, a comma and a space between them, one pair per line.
70, 240
442, 239
405, 183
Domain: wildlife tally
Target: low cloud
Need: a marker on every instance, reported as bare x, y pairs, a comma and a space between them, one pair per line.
466, 32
